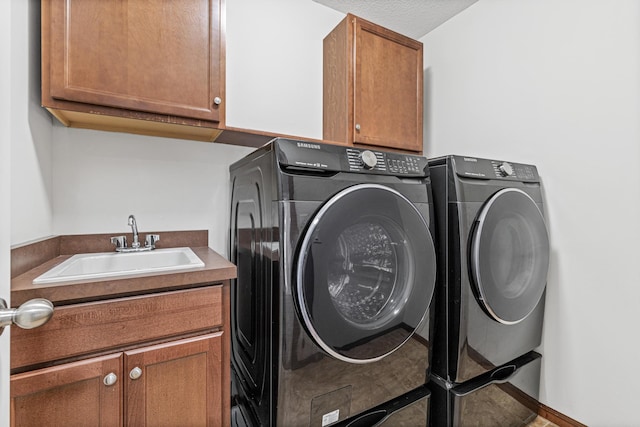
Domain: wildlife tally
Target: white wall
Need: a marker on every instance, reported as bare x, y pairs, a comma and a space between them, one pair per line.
274, 64
31, 141
102, 177
5, 195
557, 84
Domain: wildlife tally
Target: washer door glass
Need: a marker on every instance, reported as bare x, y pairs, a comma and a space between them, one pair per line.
365, 273
509, 256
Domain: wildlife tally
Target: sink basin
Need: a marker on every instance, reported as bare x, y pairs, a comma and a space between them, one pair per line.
113, 264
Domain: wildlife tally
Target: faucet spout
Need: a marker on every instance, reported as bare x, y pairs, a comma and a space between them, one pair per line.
134, 228
121, 241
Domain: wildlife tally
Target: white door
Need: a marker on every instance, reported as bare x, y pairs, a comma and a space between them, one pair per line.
5, 164
4, 274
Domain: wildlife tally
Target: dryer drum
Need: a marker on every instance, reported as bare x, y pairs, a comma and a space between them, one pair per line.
509, 256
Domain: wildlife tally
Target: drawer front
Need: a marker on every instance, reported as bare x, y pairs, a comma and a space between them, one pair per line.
80, 329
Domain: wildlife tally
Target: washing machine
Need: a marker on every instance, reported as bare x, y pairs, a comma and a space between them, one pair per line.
493, 260
331, 309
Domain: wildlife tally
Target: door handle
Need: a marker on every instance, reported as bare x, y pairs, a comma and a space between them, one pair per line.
31, 314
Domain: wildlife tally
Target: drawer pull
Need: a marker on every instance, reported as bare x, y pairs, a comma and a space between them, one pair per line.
110, 379
135, 373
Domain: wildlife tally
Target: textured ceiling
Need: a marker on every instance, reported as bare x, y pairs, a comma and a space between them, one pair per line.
413, 18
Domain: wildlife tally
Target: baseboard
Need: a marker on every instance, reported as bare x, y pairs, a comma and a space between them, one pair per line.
557, 418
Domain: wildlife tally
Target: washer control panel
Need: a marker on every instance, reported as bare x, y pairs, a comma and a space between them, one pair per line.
314, 156
385, 162
505, 169
473, 167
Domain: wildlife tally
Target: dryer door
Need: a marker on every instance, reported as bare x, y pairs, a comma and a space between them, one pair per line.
365, 273
509, 256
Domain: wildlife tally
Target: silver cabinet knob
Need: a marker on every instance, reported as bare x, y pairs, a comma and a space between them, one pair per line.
217, 100
358, 127
31, 314
110, 379
135, 373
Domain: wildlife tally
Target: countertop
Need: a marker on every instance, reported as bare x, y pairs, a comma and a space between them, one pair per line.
216, 270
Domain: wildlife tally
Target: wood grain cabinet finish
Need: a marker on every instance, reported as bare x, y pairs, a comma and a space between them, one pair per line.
372, 86
73, 394
175, 384
153, 60
149, 360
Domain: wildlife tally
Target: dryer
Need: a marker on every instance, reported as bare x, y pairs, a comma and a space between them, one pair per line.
493, 259
493, 263
330, 313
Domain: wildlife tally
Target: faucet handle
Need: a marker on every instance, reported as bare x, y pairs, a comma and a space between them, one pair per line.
150, 240
119, 241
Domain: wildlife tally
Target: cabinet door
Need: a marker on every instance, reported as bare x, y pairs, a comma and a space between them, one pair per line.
177, 383
73, 394
146, 55
388, 88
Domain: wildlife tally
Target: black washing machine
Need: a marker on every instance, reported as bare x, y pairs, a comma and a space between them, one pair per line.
493, 260
330, 313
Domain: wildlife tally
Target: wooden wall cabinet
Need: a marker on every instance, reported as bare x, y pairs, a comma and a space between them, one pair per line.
372, 86
161, 359
144, 66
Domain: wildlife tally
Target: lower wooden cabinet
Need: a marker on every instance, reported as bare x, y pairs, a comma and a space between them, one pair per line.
173, 384
73, 394
160, 359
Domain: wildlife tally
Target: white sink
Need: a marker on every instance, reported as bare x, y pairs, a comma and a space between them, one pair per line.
113, 264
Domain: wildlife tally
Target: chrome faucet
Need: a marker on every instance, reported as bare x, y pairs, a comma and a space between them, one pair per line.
121, 241
134, 228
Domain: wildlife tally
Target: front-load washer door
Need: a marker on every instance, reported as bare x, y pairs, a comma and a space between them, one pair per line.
509, 256
365, 273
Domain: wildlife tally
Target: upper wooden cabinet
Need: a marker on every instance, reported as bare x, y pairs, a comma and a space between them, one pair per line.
119, 63
372, 86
